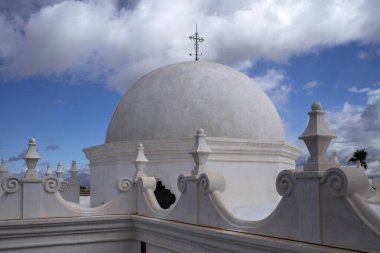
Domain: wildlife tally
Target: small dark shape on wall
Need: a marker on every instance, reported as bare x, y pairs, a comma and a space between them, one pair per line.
164, 197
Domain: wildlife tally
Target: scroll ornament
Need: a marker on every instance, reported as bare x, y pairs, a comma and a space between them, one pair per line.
51, 184
10, 184
124, 184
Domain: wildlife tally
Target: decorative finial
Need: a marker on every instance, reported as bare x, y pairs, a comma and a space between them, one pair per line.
200, 153
59, 171
3, 168
73, 171
197, 39
316, 106
317, 137
140, 162
73, 166
48, 171
31, 158
335, 159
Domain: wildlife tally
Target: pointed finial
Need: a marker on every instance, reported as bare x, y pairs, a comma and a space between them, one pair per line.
48, 171
73, 167
335, 159
73, 171
3, 168
197, 39
317, 137
200, 153
140, 162
31, 158
59, 171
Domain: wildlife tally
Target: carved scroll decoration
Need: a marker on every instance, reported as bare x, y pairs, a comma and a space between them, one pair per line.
51, 184
145, 183
65, 186
124, 184
211, 181
181, 183
10, 184
285, 182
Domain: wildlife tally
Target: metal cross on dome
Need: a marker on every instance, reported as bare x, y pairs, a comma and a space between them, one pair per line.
197, 39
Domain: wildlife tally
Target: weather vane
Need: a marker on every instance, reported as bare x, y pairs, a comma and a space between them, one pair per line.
197, 39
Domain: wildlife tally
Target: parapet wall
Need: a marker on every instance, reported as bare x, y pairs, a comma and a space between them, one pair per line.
126, 233
322, 209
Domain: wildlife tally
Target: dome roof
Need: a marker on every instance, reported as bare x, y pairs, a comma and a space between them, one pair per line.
176, 100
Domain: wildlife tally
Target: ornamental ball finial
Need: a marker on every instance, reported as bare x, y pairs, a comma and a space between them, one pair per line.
140, 145
200, 131
32, 141
316, 106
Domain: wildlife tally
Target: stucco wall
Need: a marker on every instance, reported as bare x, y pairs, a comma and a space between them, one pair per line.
245, 164
124, 233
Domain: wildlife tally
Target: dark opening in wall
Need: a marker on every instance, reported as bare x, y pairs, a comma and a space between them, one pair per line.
143, 247
164, 196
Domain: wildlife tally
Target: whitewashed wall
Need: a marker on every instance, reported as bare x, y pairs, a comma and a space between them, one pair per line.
246, 164
124, 233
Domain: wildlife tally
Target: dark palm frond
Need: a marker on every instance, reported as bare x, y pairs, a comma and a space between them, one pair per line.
359, 156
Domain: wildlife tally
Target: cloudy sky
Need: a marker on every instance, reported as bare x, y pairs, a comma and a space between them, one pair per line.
64, 65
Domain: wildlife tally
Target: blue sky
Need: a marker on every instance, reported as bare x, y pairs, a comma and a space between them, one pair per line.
64, 65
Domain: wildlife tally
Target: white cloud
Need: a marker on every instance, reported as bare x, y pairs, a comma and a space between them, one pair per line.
373, 96
270, 80
99, 39
310, 86
357, 127
362, 55
25, 8
357, 90
280, 95
10, 37
273, 84
369, 54
373, 169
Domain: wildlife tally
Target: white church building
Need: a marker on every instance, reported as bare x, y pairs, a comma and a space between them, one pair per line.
164, 109
231, 188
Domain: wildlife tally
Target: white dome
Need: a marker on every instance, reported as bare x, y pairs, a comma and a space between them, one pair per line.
176, 100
